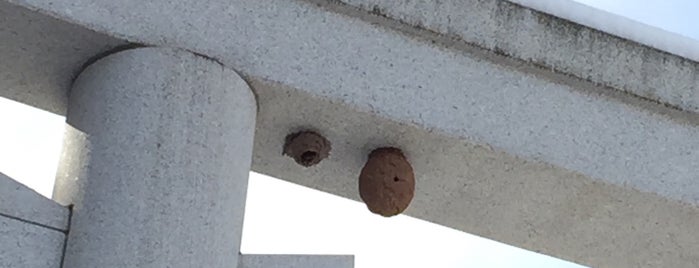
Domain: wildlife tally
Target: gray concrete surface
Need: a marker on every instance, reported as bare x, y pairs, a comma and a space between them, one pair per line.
20, 202
28, 245
156, 158
501, 149
553, 43
482, 191
295, 261
41, 55
521, 109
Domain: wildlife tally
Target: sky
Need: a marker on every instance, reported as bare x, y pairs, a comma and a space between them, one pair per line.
307, 221
678, 16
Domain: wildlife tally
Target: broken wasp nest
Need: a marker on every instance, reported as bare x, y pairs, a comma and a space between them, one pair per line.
307, 148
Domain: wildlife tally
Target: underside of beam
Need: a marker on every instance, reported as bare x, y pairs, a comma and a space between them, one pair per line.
501, 148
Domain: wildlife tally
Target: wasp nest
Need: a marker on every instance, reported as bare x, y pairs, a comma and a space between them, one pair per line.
307, 148
387, 182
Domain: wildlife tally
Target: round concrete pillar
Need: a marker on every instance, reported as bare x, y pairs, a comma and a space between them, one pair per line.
156, 159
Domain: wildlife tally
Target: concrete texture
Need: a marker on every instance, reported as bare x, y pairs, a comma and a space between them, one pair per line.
553, 43
295, 261
669, 40
40, 56
461, 91
18, 201
156, 158
500, 148
481, 191
28, 245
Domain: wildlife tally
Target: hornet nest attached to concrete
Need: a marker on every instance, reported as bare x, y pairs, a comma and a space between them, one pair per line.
387, 182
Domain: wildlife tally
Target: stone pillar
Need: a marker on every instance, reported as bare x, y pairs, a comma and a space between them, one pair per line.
156, 158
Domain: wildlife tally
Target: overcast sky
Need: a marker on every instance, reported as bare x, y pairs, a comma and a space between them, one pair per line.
679, 16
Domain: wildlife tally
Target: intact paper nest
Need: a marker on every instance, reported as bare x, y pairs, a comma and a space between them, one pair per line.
387, 182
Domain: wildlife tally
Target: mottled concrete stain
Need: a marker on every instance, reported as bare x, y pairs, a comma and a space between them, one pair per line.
554, 44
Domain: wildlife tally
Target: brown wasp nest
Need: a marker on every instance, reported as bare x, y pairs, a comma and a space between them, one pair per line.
307, 148
387, 182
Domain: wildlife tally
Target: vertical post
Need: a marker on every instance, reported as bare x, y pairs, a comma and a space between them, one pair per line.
156, 158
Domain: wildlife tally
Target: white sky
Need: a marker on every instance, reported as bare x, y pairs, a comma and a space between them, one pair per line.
678, 16
305, 221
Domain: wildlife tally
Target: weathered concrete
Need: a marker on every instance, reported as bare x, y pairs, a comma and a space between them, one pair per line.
295, 261
31, 227
482, 191
520, 109
156, 158
500, 148
40, 56
28, 245
554, 44
18, 201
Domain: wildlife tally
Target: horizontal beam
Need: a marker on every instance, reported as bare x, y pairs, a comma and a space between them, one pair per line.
40, 63
295, 261
487, 99
19, 202
501, 148
476, 189
635, 58
28, 245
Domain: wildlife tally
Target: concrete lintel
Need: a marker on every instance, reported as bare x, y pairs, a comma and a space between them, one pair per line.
295, 261
334, 53
40, 56
564, 46
475, 189
27, 245
20, 202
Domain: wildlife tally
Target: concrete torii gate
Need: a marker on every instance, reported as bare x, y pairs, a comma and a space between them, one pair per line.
521, 127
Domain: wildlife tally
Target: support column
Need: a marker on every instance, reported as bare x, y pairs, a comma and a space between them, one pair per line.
156, 159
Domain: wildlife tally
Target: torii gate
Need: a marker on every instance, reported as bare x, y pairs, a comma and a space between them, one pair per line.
520, 126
